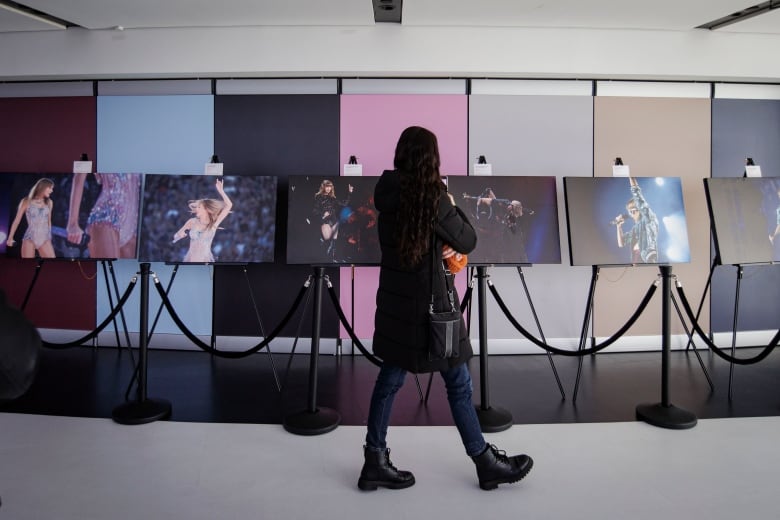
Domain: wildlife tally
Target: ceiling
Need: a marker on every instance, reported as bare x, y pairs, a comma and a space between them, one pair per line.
665, 15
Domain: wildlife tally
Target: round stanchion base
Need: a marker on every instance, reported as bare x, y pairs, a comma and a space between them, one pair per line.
494, 419
142, 412
665, 416
322, 420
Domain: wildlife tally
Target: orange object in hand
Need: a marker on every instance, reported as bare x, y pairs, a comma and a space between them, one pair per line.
455, 261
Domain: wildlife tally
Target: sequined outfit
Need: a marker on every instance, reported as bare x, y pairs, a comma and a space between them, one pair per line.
200, 244
38, 228
117, 204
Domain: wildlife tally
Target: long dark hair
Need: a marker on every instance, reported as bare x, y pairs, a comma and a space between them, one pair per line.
417, 162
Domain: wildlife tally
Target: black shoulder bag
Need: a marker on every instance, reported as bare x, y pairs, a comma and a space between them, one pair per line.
444, 341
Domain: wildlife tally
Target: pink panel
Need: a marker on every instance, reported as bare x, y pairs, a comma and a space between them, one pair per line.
370, 127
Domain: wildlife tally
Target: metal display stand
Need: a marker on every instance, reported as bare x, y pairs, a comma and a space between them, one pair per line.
735, 317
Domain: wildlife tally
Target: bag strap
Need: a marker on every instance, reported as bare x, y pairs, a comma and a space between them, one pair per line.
447, 275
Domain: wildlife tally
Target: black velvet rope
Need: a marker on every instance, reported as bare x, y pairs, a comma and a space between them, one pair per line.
334, 298
343, 319
715, 349
99, 328
574, 353
225, 354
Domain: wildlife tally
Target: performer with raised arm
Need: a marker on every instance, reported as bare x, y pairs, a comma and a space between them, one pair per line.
209, 214
642, 238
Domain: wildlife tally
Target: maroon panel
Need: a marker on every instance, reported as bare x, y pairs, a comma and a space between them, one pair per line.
46, 134
63, 296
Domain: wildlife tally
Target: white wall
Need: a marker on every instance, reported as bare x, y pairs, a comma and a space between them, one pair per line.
390, 50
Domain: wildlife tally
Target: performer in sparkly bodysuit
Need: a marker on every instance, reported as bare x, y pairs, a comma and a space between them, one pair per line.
209, 214
37, 208
112, 222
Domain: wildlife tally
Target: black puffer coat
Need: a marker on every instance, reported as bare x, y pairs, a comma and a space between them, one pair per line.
403, 298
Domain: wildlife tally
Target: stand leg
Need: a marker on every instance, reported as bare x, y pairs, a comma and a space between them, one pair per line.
541, 333
167, 292
144, 410
314, 420
38, 267
715, 262
734, 328
111, 304
664, 414
585, 324
689, 333
262, 329
491, 419
116, 292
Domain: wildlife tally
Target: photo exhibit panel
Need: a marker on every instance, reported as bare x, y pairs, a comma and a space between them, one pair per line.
745, 217
84, 216
626, 220
205, 219
332, 220
516, 218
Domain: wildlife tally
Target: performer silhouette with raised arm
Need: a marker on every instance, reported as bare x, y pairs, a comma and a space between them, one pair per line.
642, 238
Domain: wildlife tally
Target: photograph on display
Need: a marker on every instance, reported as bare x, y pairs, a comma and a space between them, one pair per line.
205, 219
626, 220
516, 218
74, 215
745, 217
332, 220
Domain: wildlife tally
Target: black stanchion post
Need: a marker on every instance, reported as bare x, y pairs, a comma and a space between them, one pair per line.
665, 414
143, 410
492, 419
314, 420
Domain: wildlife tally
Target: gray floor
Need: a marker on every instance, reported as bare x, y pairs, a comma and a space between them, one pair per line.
86, 468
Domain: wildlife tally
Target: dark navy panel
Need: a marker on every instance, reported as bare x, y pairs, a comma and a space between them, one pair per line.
276, 135
743, 128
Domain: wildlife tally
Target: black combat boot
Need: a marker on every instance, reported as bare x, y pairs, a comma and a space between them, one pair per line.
494, 467
379, 471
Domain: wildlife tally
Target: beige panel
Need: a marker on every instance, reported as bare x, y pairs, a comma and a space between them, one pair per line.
655, 137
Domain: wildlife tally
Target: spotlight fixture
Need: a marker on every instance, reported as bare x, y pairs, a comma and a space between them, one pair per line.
744, 14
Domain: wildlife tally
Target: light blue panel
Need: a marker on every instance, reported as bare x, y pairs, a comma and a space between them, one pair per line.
155, 134
536, 135
190, 294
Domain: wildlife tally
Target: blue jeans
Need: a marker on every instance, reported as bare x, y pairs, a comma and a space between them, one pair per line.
459, 390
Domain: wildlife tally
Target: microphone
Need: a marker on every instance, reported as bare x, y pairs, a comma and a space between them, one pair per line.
615, 222
61, 232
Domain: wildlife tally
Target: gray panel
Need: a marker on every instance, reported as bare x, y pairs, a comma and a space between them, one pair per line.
277, 86
59, 89
155, 87
536, 135
740, 129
